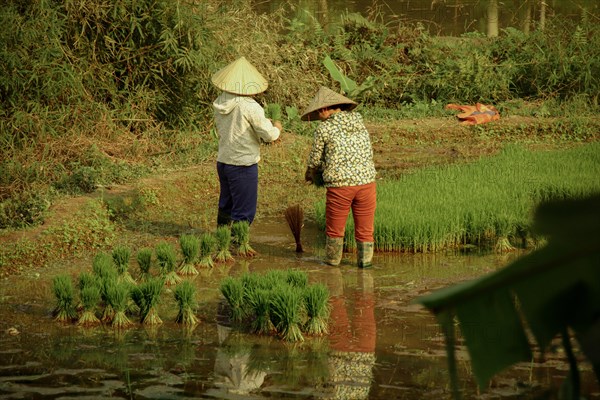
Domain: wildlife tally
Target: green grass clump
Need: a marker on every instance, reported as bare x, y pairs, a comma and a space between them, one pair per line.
65, 310
118, 295
223, 238
488, 203
190, 248
144, 260
207, 248
147, 297
121, 256
241, 233
316, 299
185, 298
167, 258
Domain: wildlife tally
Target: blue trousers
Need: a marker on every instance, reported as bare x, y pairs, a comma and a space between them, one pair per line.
239, 193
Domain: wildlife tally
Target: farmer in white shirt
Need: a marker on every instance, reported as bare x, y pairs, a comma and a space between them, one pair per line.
241, 125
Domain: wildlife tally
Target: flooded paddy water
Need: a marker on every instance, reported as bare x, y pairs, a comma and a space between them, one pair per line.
381, 344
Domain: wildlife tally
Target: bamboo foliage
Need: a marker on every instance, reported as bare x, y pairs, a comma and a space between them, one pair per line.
146, 44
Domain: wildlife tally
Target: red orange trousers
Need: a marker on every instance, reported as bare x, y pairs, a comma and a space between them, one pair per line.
362, 200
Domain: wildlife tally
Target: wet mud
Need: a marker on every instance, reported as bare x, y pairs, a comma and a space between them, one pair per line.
381, 344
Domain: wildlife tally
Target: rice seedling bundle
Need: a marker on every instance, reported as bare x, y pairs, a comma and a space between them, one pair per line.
233, 291
64, 293
259, 301
121, 256
278, 301
190, 248
118, 295
147, 297
223, 238
273, 111
274, 277
167, 258
207, 248
251, 280
316, 299
296, 278
294, 215
286, 306
241, 233
105, 284
144, 260
103, 266
185, 298
488, 202
90, 298
85, 279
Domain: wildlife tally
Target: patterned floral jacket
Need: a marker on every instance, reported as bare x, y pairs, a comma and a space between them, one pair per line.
342, 149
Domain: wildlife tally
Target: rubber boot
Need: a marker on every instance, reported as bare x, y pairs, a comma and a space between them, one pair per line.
334, 247
365, 254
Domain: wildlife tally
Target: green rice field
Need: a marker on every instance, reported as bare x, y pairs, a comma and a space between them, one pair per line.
487, 203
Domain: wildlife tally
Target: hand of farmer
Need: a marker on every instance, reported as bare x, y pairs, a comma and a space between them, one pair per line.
309, 175
277, 124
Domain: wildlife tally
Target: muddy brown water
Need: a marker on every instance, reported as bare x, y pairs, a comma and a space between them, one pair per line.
381, 344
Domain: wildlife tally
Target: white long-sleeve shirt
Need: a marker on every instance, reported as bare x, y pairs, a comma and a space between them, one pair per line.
241, 124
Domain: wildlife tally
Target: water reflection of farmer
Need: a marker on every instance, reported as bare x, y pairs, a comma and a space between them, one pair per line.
233, 375
342, 150
352, 338
241, 124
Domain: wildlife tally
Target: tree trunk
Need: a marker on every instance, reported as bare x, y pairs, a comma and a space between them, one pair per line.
542, 14
492, 14
526, 24
323, 13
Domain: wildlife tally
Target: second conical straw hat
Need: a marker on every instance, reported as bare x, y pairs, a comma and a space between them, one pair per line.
326, 97
240, 77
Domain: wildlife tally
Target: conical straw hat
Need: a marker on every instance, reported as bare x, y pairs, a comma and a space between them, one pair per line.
240, 77
326, 98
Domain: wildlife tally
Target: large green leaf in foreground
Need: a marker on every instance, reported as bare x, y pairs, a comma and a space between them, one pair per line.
557, 288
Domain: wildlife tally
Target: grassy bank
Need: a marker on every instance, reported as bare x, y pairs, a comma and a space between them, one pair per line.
486, 203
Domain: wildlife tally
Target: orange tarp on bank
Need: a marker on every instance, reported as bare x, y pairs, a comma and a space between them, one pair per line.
477, 114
